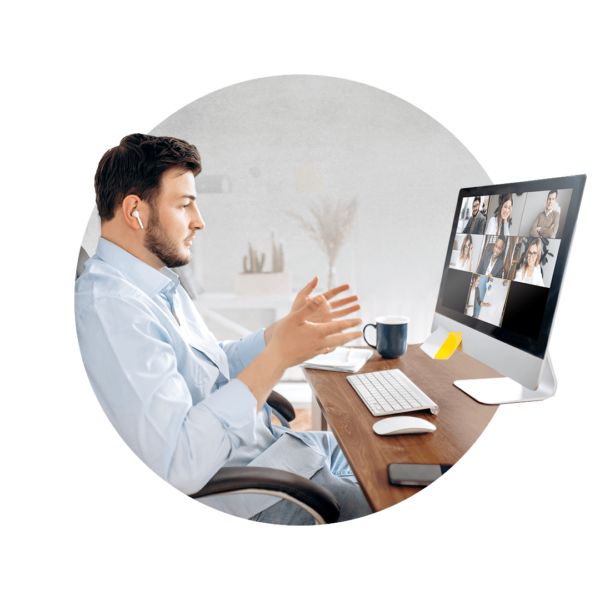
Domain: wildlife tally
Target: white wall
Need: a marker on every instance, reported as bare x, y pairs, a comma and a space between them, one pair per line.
286, 141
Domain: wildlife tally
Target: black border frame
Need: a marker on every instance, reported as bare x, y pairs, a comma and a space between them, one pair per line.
535, 347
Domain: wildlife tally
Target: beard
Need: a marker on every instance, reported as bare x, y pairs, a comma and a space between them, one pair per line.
162, 246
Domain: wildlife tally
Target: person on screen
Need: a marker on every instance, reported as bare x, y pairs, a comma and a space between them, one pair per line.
476, 224
474, 300
501, 221
546, 223
495, 297
465, 259
531, 272
492, 263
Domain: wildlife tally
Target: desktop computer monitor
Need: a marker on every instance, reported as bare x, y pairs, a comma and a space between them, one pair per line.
501, 282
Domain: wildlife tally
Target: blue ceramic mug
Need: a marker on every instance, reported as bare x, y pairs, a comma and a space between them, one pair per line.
392, 336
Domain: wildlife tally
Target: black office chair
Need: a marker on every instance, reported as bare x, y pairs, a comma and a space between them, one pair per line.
319, 502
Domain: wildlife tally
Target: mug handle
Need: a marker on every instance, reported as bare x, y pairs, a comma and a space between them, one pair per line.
365, 337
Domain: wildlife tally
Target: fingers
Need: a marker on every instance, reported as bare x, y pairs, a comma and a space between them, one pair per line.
314, 305
337, 326
339, 339
335, 291
309, 287
343, 302
342, 313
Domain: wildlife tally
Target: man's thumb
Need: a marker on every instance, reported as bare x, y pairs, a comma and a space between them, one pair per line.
311, 307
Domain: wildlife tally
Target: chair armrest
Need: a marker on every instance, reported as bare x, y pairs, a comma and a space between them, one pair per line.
303, 491
282, 405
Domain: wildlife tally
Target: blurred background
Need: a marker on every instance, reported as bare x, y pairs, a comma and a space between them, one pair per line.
53, 132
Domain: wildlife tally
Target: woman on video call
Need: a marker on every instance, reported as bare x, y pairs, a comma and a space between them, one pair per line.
531, 272
501, 220
466, 254
496, 298
474, 298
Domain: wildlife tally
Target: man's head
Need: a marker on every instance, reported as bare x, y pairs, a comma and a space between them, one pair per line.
476, 205
552, 196
155, 176
498, 247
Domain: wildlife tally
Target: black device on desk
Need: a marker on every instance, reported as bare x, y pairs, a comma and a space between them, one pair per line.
415, 475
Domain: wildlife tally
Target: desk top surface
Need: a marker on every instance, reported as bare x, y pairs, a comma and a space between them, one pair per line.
459, 423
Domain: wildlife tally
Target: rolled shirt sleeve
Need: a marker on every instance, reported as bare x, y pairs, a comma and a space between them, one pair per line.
243, 351
131, 361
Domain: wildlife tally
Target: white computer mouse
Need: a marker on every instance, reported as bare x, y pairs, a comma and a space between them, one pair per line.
400, 425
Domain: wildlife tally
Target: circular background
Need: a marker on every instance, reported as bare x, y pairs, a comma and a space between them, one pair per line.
286, 144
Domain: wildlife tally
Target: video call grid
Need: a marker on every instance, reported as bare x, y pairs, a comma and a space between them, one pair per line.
511, 237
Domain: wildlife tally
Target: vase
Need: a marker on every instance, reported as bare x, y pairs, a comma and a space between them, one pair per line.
332, 281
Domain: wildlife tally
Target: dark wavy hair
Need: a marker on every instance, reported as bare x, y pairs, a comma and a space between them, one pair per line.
501, 255
136, 166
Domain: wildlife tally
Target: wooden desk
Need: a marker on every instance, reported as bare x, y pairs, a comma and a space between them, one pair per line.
459, 422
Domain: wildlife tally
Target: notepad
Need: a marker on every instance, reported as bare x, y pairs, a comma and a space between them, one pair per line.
346, 360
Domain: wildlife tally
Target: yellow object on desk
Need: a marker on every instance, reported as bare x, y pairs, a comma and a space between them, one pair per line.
441, 344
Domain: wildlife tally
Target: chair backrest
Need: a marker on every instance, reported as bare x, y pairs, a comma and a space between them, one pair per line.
83, 257
188, 281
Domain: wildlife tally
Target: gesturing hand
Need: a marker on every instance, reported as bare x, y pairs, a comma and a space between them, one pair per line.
328, 310
298, 337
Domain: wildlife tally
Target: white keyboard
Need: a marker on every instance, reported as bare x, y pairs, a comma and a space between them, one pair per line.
390, 392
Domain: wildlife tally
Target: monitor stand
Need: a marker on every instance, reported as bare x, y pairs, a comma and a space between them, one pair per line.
503, 390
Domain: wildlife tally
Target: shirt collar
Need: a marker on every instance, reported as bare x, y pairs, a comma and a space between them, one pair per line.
143, 276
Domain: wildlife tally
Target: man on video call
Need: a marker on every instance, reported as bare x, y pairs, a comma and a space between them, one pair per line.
186, 404
546, 223
476, 223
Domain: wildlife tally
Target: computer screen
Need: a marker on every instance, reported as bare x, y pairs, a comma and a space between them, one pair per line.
506, 259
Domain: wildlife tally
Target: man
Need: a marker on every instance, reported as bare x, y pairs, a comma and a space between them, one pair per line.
546, 224
476, 224
184, 403
492, 263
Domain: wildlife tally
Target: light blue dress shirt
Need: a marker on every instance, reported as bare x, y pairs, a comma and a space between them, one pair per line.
169, 388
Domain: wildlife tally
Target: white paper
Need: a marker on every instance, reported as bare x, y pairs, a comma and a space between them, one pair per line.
434, 342
341, 359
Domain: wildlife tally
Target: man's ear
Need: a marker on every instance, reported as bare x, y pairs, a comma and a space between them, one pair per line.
130, 204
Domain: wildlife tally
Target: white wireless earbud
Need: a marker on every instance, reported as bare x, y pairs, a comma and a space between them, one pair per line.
136, 214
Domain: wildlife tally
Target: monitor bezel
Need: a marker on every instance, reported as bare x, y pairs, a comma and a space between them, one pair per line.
535, 347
